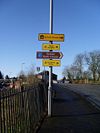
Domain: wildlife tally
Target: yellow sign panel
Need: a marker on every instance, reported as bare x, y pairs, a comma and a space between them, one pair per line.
51, 37
51, 63
50, 46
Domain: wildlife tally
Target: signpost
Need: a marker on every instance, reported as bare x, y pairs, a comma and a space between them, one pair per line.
49, 55
54, 63
51, 37
50, 46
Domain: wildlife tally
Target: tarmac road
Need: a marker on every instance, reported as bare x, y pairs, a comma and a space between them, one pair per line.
90, 91
71, 113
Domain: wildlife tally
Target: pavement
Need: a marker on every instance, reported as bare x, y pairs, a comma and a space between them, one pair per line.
71, 113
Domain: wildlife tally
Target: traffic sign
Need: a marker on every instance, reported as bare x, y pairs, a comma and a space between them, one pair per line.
54, 63
50, 46
38, 69
51, 37
49, 55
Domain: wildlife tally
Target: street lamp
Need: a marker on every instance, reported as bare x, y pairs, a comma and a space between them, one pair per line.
22, 66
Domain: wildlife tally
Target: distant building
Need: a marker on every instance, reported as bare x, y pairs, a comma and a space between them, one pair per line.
45, 76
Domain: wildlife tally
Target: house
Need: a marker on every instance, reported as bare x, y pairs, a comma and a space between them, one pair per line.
45, 76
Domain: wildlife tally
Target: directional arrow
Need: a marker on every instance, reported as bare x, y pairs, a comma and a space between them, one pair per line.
61, 55
54, 63
49, 55
51, 46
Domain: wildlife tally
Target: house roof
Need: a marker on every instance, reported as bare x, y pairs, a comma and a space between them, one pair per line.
45, 72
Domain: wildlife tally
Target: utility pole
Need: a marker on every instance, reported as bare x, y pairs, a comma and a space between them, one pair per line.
50, 67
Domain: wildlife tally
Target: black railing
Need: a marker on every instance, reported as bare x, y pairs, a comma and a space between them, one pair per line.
22, 110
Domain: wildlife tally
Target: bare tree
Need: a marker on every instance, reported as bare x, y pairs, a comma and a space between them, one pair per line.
70, 72
79, 62
91, 60
64, 73
67, 73
31, 78
98, 64
85, 66
74, 71
22, 77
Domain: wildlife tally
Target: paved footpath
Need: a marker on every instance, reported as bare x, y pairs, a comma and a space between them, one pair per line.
71, 114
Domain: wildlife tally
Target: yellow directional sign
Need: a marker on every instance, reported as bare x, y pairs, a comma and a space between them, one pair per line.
51, 37
51, 63
50, 46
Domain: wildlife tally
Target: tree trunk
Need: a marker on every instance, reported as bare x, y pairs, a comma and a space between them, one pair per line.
94, 76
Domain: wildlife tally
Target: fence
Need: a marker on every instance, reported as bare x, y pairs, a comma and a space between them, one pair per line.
21, 110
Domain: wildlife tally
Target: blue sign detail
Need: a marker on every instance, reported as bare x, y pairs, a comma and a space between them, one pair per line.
39, 55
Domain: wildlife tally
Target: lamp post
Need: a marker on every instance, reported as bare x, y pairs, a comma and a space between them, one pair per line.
50, 68
22, 66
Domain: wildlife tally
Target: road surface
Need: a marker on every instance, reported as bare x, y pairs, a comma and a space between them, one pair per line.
71, 113
90, 91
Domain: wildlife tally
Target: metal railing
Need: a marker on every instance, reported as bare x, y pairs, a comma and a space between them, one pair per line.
21, 110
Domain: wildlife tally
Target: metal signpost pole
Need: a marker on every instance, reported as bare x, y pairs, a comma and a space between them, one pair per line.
50, 68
